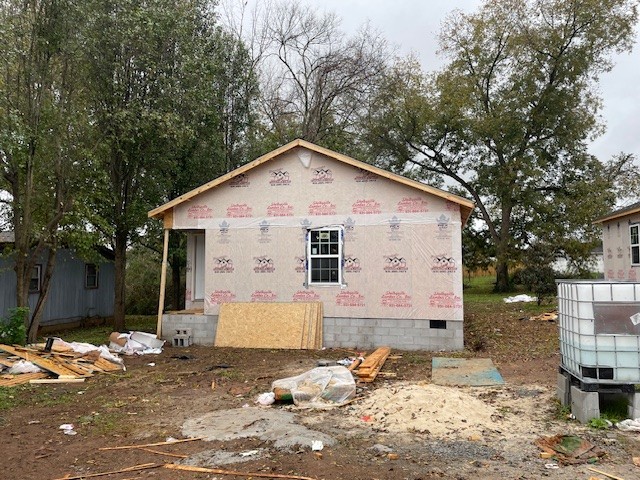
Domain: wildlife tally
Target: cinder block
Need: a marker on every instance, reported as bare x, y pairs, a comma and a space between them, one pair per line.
563, 392
181, 340
183, 331
634, 405
584, 405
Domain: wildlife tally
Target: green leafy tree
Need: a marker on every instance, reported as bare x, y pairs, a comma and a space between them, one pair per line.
509, 117
42, 146
170, 102
137, 59
214, 107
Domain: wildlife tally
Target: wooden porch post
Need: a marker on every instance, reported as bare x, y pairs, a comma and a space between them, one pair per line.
163, 282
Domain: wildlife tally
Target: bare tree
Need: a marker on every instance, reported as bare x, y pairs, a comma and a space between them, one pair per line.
314, 79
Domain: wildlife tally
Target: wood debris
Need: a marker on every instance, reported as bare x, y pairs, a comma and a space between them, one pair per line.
236, 473
372, 365
135, 468
59, 365
546, 317
146, 445
13, 380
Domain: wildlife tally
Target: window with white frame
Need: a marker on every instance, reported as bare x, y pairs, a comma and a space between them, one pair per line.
324, 254
634, 231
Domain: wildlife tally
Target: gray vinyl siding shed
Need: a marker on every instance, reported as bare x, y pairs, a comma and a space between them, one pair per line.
69, 300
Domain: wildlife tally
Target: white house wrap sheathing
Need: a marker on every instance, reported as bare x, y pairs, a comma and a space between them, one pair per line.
402, 251
395, 276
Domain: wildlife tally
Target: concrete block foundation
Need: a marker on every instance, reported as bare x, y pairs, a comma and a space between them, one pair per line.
403, 334
364, 333
201, 329
634, 406
563, 391
584, 405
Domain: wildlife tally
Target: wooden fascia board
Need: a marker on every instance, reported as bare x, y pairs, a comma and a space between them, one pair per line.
466, 206
613, 216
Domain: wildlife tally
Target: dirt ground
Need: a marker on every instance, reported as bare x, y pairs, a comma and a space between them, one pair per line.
399, 427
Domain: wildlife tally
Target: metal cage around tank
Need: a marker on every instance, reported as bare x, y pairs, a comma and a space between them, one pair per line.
599, 324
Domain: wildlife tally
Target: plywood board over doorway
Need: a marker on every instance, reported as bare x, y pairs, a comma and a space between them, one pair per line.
270, 325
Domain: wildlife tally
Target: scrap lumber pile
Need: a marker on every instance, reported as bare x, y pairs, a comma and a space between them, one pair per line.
270, 325
59, 365
371, 366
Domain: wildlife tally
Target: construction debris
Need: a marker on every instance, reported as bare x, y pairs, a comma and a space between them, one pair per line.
372, 365
135, 468
321, 387
219, 471
569, 449
546, 317
61, 364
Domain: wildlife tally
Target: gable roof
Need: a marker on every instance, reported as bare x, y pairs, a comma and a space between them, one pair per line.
622, 212
466, 206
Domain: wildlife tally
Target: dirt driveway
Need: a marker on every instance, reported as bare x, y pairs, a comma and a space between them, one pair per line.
399, 427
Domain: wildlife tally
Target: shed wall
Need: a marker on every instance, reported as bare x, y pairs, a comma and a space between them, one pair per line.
617, 253
68, 298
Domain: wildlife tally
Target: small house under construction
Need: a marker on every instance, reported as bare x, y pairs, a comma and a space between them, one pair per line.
379, 252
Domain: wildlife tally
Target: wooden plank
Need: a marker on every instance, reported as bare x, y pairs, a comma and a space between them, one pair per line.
372, 361
13, 380
38, 360
264, 325
126, 447
135, 468
57, 380
78, 369
107, 365
236, 473
372, 365
6, 362
319, 334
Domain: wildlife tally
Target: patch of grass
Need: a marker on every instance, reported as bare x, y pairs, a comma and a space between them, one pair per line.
104, 423
414, 358
33, 395
562, 412
8, 399
99, 335
600, 423
614, 408
231, 374
50, 398
479, 290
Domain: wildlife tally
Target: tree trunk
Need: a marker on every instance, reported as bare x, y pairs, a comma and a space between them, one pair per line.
120, 263
502, 275
34, 324
502, 246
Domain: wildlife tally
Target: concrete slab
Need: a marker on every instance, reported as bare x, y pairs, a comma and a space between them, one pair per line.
465, 372
273, 425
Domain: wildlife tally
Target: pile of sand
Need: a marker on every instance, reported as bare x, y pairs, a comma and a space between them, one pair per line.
426, 408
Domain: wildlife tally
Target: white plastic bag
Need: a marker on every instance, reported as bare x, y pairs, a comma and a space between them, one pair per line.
321, 387
24, 366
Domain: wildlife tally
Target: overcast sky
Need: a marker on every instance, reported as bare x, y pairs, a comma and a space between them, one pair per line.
413, 25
